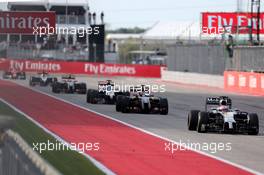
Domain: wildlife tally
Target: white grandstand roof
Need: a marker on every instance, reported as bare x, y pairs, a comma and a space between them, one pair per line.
51, 2
121, 36
181, 30
174, 30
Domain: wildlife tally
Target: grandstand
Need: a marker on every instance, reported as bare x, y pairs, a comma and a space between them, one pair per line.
70, 15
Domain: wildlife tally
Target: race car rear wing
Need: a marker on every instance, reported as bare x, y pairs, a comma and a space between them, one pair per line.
104, 86
68, 77
215, 101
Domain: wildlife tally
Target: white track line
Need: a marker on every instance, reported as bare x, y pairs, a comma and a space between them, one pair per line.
148, 132
58, 138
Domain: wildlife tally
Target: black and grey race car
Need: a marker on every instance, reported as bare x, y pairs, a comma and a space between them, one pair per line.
42, 79
141, 102
221, 117
70, 85
15, 75
105, 94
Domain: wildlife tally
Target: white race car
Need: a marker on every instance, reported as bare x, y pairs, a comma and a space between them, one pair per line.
223, 118
42, 79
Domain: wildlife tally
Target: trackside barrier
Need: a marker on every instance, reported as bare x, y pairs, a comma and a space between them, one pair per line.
244, 82
86, 68
193, 78
18, 158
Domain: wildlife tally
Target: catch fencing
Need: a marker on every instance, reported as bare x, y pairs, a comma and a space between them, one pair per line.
18, 158
197, 58
248, 58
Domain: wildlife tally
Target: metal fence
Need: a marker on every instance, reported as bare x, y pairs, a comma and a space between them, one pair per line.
198, 58
14, 52
248, 58
18, 158
31, 53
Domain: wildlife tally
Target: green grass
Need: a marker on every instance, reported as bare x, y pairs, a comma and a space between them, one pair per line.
67, 162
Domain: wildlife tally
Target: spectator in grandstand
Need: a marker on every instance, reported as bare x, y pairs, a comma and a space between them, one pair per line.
102, 17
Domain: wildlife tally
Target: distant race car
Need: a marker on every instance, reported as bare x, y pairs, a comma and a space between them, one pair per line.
222, 118
105, 94
141, 102
13, 74
69, 84
42, 79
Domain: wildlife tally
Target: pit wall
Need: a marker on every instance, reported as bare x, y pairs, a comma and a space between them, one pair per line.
85, 68
244, 82
193, 78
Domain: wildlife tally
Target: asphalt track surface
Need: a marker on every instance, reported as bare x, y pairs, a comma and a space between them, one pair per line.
246, 150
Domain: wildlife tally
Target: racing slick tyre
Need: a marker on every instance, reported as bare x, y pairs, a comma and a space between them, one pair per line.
253, 126
55, 88
84, 88
81, 88
125, 105
88, 96
119, 100
193, 120
164, 106
93, 96
202, 122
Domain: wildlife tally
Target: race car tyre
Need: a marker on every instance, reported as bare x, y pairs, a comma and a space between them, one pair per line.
93, 97
164, 106
81, 88
119, 100
253, 124
55, 88
84, 88
202, 122
88, 97
193, 120
125, 105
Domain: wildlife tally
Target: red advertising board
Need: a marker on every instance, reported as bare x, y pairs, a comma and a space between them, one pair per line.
83, 68
244, 82
25, 22
216, 22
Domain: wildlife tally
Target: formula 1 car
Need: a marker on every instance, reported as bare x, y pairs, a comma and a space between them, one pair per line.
13, 74
43, 79
141, 102
106, 93
222, 118
70, 85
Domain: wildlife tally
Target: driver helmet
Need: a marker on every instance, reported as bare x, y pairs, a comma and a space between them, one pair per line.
223, 105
